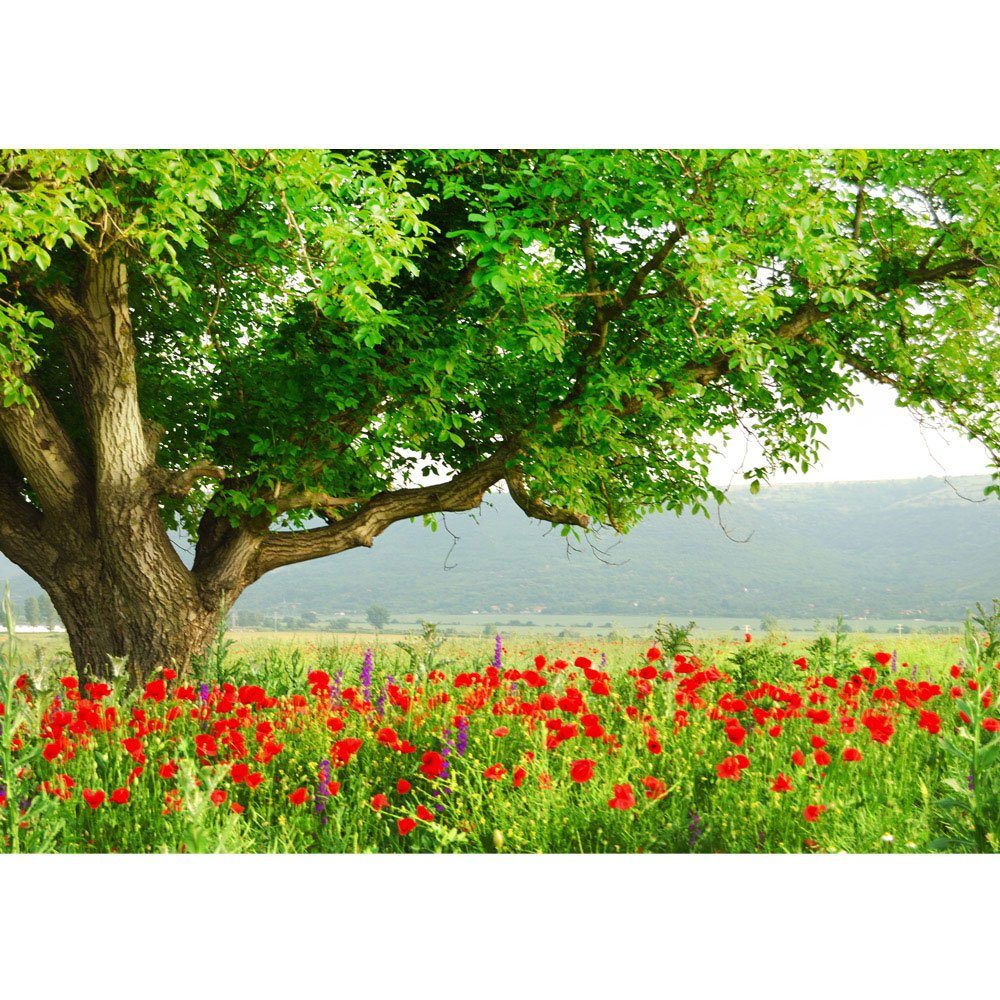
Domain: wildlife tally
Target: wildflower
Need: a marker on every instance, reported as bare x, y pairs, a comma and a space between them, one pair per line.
520, 774
120, 796
367, 669
218, 797
930, 721
297, 797
495, 772
433, 764
402, 786
655, 788
624, 797
813, 813
379, 801
322, 790
498, 653
851, 754
423, 813
782, 783
887, 838
93, 797
694, 829
730, 768
405, 826
582, 770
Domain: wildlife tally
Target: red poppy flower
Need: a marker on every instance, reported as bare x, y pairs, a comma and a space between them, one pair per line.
155, 691
501, 731
120, 796
774, 731
729, 768
801, 663
519, 775
495, 772
653, 654
930, 721
582, 770
405, 826
883, 658
238, 772
235, 807
425, 814
817, 742
655, 788
813, 813
821, 757
798, 758
852, 754
93, 797
168, 770
379, 801
782, 783
403, 786
991, 725
736, 734
624, 797
879, 726
298, 796
433, 764
218, 797
254, 779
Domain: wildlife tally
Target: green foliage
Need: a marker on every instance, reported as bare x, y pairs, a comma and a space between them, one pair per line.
344, 322
673, 639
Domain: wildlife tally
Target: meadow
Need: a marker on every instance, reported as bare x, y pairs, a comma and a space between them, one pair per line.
669, 742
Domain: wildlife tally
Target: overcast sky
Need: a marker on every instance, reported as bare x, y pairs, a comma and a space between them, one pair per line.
876, 440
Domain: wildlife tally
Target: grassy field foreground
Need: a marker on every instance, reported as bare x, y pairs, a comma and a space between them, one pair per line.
860, 744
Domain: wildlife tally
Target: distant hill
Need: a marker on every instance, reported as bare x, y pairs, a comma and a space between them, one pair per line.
885, 549
888, 549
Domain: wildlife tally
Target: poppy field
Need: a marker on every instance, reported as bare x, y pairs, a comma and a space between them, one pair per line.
749, 745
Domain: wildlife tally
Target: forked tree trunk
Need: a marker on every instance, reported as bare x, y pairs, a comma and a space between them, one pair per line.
147, 630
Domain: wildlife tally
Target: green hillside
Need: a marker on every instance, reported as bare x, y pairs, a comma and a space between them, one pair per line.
910, 548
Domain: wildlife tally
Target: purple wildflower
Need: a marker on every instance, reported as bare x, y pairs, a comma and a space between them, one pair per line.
894, 658
694, 829
203, 693
338, 681
380, 704
462, 740
604, 660
323, 789
498, 652
367, 669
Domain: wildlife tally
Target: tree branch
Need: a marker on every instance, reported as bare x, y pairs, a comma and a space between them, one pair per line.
179, 484
43, 451
464, 492
538, 508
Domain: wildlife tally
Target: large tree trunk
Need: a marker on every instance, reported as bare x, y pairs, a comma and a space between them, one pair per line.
158, 630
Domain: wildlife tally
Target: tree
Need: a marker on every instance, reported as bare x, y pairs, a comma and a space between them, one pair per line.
31, 612
47, 611
378, 617
286, 353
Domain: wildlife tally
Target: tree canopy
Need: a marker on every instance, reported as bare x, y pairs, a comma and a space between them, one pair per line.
303, 333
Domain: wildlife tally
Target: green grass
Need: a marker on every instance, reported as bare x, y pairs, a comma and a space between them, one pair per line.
896, 799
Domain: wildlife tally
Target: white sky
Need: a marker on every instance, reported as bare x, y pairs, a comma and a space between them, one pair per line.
875, 440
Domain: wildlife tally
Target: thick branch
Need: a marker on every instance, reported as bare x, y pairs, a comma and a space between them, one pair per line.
538, 508
44, 452
96, 328
21, 528
464, 492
